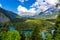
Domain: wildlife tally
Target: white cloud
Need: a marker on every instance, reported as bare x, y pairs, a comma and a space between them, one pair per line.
52, 2
32, 10
39, 4
23, 0
22, 11
21, 8
46, 3
0, 5
43, 8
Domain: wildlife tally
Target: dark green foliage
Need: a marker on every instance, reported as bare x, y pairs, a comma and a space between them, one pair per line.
57, 30
35, 34
2, 35
29, 36
5, 26
10, 35
49, 37
57, 35
13, 35
23, 37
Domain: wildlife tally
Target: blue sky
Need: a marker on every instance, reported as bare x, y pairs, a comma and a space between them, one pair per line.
27, 7
13, 4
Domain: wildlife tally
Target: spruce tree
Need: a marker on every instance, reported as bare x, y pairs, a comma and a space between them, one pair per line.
35, 34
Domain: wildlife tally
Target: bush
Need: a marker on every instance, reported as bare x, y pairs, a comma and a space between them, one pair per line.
13, 35
2, 35
10, 35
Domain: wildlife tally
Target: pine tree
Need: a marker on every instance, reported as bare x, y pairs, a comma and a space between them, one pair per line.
29, 36
23, 37
35, 34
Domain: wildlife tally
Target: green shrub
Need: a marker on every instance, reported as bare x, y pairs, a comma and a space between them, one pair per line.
13, 35
2, 35
10, 35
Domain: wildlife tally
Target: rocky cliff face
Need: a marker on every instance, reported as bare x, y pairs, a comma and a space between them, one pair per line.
3, 18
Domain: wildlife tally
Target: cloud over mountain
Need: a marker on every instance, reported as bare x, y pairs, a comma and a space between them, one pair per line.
36, 7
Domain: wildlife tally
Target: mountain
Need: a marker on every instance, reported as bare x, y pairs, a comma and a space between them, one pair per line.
3, 18
9, 14
6, 15
50, 13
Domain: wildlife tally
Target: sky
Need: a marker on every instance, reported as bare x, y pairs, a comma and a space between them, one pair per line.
27, 7
12, 5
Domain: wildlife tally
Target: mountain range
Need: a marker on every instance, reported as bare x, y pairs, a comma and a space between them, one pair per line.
6, 15
50, 13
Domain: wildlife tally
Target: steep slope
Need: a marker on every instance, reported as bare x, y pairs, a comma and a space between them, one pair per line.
7, 15
3, 18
